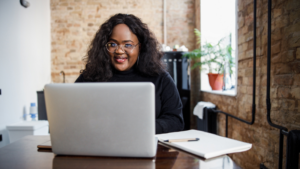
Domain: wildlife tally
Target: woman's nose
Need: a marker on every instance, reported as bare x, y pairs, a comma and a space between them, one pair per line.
120, 49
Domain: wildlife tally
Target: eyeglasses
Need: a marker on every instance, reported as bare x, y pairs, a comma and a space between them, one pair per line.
113, 47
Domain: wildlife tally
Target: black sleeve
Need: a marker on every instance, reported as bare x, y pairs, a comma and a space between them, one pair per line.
79, 79
170, 118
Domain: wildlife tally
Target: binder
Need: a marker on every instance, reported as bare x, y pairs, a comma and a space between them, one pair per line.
208, 146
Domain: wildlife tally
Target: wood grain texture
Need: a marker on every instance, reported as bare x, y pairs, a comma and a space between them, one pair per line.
23, 154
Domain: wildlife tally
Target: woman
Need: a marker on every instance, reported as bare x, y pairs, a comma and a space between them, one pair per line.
124, 50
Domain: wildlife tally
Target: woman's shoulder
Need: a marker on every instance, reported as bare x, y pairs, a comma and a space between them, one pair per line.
81, 79
165, 78
165, 75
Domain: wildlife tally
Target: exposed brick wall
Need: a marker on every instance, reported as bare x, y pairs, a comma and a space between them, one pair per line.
285, 81
181, 23
195, 73
75, 22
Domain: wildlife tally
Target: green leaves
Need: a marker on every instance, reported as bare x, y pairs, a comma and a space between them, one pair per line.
210, 55
198, 34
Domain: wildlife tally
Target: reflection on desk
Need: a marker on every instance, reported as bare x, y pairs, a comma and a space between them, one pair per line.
68, 162
23, 154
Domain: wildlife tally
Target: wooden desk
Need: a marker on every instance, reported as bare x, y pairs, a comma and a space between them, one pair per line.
23, 154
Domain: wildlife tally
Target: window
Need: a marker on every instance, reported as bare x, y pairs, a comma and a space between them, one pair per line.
219, 20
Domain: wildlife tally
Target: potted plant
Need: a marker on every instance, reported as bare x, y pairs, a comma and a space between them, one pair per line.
216, 57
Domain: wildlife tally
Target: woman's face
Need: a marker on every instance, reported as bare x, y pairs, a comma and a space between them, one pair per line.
123, 58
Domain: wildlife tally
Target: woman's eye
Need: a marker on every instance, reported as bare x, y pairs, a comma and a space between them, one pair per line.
128, 45
112, 45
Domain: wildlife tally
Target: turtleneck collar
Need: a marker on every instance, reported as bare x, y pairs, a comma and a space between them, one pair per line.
129, 72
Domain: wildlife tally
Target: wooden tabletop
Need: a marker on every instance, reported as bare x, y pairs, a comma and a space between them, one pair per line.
23, 154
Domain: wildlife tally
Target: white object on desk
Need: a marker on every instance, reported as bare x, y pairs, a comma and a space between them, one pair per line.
19, 130
209, 145
198, 110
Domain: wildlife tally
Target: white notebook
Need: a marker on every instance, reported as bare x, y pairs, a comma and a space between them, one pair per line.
209, 145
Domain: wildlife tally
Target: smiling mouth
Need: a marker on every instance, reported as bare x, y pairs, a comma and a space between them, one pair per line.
120, 59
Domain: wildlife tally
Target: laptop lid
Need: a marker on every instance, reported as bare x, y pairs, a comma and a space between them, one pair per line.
102, 119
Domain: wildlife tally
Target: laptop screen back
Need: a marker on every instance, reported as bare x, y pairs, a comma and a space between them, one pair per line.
102, 119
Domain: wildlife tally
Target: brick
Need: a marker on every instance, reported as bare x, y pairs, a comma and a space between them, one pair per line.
276, 58
249, 54
283, 69
283, 92
264, 67
241, 39
241, 72
285, 44
264, 39
295, 67
244, 29
243, 63
249, 90
250, 27
294, 16
250, 63
291, 29
74, 44
249, 72
240, 48
298, 53
250, 81
275, 104
244, 46
241, 55
240, 33
280, 22
240, 81
63, 4
294, 42
264, 80
276, 48
249, 36
242, 89
285, 80
240, 20
292, 4
246, 81
250, 44
273, 93
240, 5
249, 19
60, 21
258, 51
276, 35
296, 80
296, 92
250, 9
288, 56
277, 12
288, 104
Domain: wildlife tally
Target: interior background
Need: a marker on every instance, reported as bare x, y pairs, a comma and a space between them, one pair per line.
26, 57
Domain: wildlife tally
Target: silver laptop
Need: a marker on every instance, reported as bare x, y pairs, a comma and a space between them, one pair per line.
102, 119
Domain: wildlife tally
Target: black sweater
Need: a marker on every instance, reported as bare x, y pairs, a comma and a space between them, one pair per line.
168, 106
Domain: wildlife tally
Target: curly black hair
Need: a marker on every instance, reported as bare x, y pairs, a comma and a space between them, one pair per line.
98, 66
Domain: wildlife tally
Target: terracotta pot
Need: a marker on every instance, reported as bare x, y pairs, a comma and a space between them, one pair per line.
215, 81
